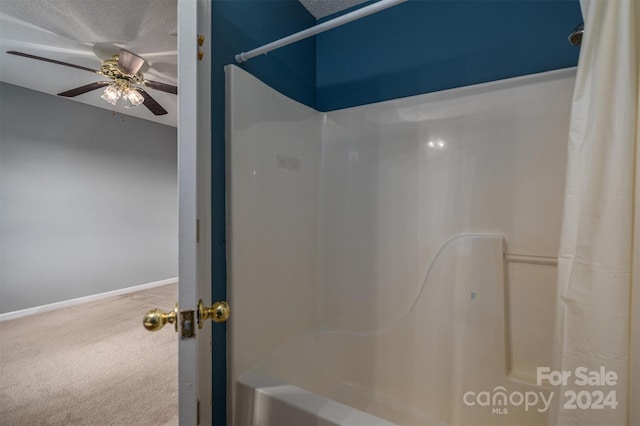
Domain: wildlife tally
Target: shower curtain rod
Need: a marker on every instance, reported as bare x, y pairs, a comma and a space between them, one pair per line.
336, 22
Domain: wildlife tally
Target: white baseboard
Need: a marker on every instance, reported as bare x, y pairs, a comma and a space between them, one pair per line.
66, 303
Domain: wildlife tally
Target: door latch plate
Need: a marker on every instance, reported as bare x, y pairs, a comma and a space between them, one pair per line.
187, 324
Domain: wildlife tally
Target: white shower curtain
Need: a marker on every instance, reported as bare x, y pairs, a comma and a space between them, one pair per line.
598, 310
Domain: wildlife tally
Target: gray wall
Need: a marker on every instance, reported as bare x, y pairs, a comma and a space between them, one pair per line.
88, 202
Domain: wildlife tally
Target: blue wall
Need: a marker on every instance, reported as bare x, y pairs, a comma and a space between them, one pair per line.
242, 25
429, 45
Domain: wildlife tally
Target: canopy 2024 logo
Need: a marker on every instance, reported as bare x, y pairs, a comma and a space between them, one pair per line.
594, 392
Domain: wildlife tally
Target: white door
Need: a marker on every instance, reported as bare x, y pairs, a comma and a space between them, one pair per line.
192, 323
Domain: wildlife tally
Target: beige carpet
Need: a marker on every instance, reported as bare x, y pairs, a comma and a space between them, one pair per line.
91, 364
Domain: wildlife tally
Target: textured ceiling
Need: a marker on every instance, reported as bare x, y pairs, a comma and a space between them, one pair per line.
84, 32
321, 8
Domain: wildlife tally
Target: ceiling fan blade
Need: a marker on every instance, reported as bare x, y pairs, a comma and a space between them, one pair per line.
151, 103
53, 61
161, 86
84, 89
129, 63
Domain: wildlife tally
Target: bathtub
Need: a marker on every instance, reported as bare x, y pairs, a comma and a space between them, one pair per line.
264, 400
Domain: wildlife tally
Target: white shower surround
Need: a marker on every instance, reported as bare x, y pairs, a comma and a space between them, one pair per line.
334, 219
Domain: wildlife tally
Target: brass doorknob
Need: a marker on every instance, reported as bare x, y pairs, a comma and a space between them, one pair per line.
155, 319
218, 312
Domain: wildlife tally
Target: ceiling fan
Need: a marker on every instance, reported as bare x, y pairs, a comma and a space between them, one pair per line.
123, 70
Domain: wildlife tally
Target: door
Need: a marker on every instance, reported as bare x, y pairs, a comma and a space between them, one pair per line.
190, 317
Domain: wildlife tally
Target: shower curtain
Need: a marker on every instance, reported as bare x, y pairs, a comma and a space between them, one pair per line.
598, 304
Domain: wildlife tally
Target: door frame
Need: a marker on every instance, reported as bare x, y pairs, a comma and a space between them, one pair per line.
203, 190
194, 206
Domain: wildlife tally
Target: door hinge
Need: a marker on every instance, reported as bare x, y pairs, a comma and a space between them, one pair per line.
197, 230
198, 413
200, 43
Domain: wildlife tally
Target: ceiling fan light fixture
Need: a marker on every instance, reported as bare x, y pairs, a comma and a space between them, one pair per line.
112, 93
132, 98
123, 70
